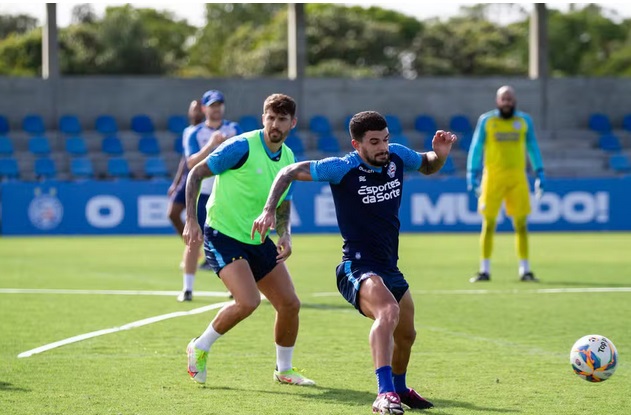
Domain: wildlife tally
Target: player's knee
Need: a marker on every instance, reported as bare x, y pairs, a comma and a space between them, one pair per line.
488, 225
520, 225
290, 305
246, 306
389, 314
406, 337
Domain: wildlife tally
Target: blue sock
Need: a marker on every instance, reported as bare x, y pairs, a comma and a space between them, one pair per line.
384, 379
399, 383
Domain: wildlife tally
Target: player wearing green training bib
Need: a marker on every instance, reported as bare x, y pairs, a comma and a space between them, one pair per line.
245, 167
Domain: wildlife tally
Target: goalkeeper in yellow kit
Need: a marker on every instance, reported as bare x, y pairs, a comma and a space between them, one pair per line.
500, 142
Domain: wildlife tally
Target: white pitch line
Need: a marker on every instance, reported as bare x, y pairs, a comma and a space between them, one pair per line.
108, 292
127, 326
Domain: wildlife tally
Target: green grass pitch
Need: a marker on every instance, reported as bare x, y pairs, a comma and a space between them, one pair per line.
495, 348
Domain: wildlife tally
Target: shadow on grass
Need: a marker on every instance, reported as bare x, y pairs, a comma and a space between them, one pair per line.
354, 397
6, 386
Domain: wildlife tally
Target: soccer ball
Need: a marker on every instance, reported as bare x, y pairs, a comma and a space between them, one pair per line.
594, 358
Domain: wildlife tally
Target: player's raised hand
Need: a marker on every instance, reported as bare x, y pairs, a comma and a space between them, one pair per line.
442, 142
283, 247
265, 222
192, 234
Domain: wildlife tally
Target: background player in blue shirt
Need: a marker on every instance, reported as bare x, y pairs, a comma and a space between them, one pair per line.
177, 190
198, 144
366, 186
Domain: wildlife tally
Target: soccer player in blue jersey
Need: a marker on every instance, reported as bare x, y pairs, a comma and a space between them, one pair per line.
198, 144
177, 190
500, 142
245, 167
366, 186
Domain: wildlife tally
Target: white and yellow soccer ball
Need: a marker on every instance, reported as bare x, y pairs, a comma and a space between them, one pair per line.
594, 358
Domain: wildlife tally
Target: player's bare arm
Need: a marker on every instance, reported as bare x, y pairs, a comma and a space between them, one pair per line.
434, 160
192, 231
283, 229
215, 140
267, 219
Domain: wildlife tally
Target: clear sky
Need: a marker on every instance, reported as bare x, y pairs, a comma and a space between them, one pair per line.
194, 12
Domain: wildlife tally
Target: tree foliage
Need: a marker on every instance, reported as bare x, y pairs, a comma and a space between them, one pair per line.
250, 40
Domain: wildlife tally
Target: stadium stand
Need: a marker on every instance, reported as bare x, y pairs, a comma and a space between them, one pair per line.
609, 142
319, 124
425, 124
106, 125
6, 146
394, 124
4, 125
75, 146
81, 168
9, 169
148, 145
249, 122
142, 124
155, 168
69, 125
39, 146
620, 163
33, 124
118, 168
176, 124
599, 123
112, 145
45, 168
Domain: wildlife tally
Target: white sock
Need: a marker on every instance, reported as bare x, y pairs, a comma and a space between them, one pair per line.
283, 358
524, 266
207, 338
188, 281
485, 266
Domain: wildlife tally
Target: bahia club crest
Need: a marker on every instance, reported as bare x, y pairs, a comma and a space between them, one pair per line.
45, 210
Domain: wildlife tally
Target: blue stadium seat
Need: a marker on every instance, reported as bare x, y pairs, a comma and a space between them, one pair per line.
319, 124
33, 124
106, 124
449, 167
464, 140
600, 123
425, 124
155, 168
400, 139
39, 146
142, 124
347, 122
459, 123
427, 142
118, 167
4, 125
176, 124
112, 145
76, 146
6, 146
45, 168
69, 124
149, 145
9, 168
295, 143
178, 146
328, 144
609, 142
249, 123
619, 163
626, 122
81, 168
394, 124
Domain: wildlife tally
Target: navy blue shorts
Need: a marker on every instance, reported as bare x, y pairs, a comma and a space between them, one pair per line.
201, 209
351, 274
179, 196
221, 250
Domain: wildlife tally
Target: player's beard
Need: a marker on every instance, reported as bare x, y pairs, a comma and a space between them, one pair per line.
379, 160
507, 112
276, 136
